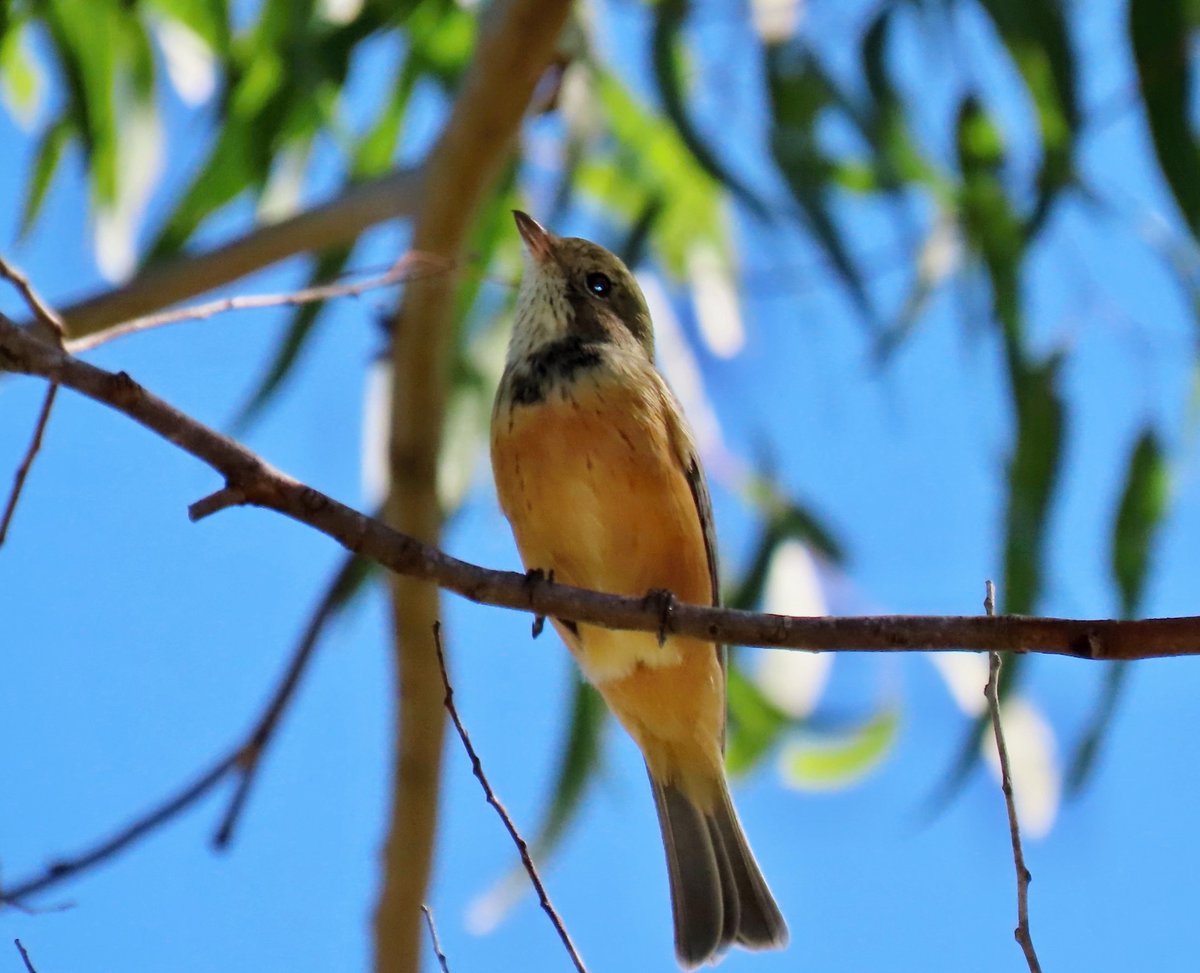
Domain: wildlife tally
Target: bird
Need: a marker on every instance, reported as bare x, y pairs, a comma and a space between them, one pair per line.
599, 476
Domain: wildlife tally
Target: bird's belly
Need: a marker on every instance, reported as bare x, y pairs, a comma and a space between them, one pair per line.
595, 493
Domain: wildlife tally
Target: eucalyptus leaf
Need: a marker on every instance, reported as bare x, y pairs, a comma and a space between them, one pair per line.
831, 761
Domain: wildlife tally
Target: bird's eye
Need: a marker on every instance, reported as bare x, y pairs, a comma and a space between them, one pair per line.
598, 283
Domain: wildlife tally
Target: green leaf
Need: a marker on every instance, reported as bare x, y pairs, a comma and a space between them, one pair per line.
207, 19
1035, 34
1161, 36
1033, 472
1083, 761
754, 722
23, 82
669, 53
326, 267
1143, 505
836, 760
49, 154
799, 93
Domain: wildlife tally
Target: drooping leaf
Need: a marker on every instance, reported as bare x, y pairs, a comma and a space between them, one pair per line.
326, 267
1161, 35
669, 16
49, 153
835, 760
1036, 36
1140, 515
1143, 505
800, 92
754, 725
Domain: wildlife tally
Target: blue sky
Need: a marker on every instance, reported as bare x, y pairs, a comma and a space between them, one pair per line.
135, 646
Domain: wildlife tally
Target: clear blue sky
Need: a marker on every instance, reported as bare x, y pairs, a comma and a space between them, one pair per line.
135, 646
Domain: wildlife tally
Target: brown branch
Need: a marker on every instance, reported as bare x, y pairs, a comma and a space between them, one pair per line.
477, 769
266, 487
992, 692
331, 224
47, 318
516, 44
408, 267
35, 444
443, 964
243, 761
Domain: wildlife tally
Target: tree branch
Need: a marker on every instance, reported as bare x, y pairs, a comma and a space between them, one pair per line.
263, 486
516, 43
992, 692
494, 801
339, 221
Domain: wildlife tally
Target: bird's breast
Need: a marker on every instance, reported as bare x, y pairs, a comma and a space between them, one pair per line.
590, 479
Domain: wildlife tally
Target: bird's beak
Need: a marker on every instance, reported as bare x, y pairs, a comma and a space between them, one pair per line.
538, 240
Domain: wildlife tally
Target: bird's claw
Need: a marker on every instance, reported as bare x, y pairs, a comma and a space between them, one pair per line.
664, 602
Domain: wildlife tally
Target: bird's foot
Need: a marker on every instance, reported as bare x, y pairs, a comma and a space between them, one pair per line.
663, 601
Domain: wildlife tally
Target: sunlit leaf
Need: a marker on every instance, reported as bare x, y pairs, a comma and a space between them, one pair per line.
830, 761
21, 75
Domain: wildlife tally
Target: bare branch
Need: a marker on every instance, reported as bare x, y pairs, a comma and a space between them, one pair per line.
408, 267
63, 869
266, 487
433, 938
35, 444
46, 316
242, 761
992, 692
337, 222
522, 847
29, 967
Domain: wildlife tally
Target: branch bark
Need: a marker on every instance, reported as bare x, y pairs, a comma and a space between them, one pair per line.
261, 485
339, 221
517, 41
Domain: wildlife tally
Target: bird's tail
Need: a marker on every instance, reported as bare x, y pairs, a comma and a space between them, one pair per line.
718, 894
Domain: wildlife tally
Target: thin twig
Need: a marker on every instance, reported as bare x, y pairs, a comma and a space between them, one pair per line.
522, 847
45, 314
35, 443
29, 967
263, 486
409, 267
992, 692
433, 936
243, 760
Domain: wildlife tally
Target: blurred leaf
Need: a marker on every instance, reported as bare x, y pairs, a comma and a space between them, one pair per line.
579, 761
1087, 751
46, 160
326, 268
1035, 33
669, 55
650, 160
837, 760
754, 722
1161, 36
1032, 479
22, 80
1143, 504
799, 92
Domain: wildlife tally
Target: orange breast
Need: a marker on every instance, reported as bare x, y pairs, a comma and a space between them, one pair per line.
591, 483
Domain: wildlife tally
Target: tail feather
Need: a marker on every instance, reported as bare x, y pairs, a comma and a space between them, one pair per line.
718, 894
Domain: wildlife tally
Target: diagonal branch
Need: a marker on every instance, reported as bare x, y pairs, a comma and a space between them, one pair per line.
258, 484
339, 221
